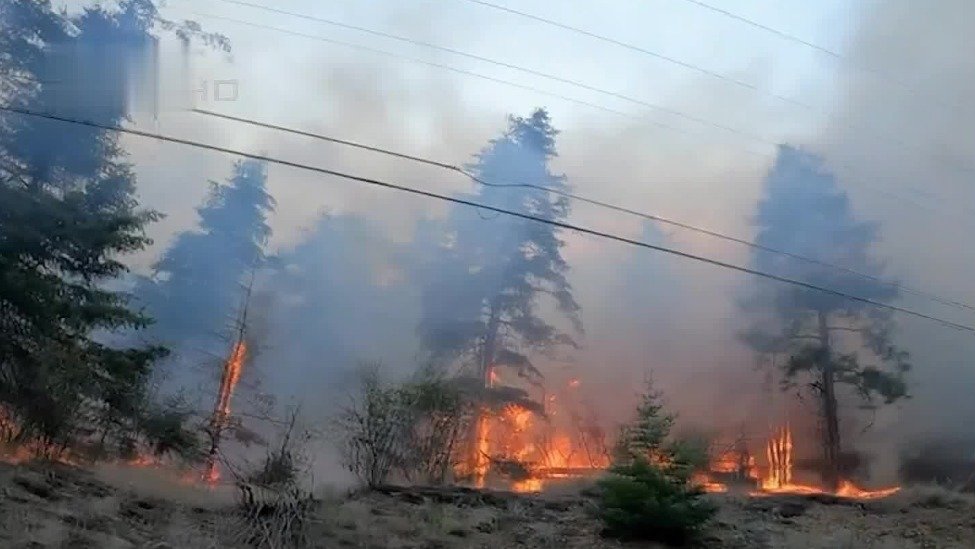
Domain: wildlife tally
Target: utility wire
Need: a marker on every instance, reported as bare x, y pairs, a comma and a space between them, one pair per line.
638, 49
776, 32
689, 66
456, 70
559, 192
511, 213
506, 65
811, 45
765, 156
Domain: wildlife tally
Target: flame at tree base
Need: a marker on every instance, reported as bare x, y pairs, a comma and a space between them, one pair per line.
776, 478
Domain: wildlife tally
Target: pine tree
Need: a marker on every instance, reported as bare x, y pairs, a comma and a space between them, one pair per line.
67, 214
649, 493
196, 288
804, 212
339, 290
483, 290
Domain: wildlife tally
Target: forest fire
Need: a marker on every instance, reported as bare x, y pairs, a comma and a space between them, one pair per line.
527, 450
775, 476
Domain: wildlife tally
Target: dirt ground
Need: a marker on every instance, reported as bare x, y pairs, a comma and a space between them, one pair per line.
57, 506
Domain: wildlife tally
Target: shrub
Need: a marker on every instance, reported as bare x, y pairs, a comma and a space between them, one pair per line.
640, 500
648, 494
412, 429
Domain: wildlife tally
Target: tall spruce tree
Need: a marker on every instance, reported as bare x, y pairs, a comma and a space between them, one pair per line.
823, 340
482, 297
197, 283
67, 215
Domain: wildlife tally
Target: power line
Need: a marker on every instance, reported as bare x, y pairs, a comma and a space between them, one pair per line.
511, 213
757, 25
504, 64
675, 61
874, 188
621, 209
821, 49
638, 49
447, 68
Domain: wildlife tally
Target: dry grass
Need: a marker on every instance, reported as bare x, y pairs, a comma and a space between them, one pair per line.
932, 496
116, 507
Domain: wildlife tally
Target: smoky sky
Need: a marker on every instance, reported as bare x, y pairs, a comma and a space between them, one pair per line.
901, 145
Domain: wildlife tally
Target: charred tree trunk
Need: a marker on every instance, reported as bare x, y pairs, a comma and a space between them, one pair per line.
479, 460
831, 422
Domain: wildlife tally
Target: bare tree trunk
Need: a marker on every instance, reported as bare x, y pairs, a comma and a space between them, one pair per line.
831, 430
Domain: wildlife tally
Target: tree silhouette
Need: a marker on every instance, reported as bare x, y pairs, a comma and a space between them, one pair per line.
829, 340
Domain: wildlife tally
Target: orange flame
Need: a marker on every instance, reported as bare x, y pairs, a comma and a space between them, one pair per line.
777, 475
778, 452
228, 382
545, 449
221, 411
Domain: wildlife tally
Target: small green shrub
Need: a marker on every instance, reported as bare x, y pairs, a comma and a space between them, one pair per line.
640, 500
648, 494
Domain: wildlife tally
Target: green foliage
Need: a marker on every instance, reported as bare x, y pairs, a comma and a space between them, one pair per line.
648, 493
639, 500
167, 431
647, 435
806, 212
68, 216
197, 279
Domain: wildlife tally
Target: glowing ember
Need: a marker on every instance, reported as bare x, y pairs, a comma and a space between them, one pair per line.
848, 490
527, 486
143, 460
492, 376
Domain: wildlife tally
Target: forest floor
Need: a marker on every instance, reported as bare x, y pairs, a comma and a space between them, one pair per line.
47, 506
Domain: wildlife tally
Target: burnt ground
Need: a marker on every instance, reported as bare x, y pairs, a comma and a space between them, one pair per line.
47, 506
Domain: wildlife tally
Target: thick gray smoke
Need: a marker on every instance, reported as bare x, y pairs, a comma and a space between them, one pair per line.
347, 291
916, 139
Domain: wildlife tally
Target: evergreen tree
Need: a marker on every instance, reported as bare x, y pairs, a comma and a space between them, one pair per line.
481, 301
649, 493
805, 213
68, 214
197, 284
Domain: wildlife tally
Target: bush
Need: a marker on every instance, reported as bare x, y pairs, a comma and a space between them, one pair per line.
648, 494
410, 429
640, 500
166, 429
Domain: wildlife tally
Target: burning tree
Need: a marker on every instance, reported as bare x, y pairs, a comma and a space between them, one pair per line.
829, 341
196, 285
480, 304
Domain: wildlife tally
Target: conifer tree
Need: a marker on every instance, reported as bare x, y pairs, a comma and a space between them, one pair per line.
822, 341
